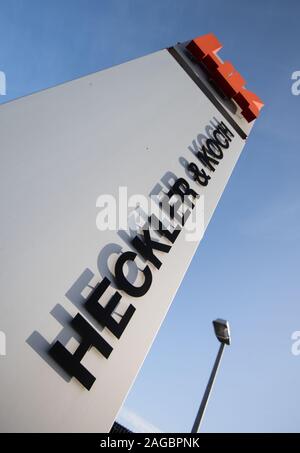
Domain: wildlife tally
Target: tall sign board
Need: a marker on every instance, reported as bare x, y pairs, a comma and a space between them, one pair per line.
83, 292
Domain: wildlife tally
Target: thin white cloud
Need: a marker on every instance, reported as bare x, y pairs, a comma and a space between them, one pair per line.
135, 422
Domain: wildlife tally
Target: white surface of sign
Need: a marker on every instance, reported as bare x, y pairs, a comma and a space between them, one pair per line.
129, 126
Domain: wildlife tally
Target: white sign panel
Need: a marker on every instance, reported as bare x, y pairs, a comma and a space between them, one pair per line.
82, 300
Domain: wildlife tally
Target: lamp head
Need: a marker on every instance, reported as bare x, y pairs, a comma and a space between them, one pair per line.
222, 330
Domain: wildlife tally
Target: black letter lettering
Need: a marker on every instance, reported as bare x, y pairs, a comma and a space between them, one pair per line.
158, 226
146, 248
225, 130
124, 284
103, 314
198, 175
71, 362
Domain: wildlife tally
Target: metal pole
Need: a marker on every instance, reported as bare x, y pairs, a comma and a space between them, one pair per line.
209, 386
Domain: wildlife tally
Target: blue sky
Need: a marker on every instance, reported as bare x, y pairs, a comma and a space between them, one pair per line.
247, 267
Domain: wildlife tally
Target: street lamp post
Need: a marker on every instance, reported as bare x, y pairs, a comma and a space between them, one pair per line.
222, 332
